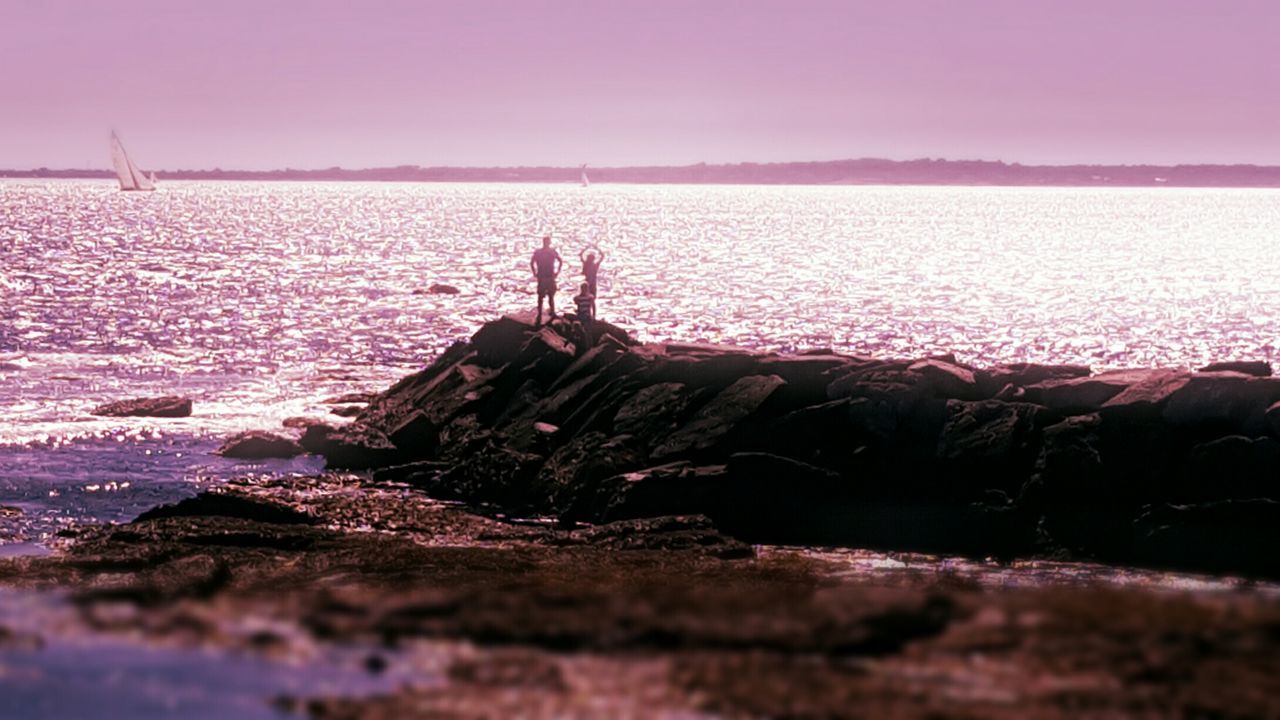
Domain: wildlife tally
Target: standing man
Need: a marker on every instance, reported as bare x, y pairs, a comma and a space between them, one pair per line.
545, 265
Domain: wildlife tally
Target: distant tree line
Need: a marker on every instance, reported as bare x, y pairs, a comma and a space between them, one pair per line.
866, 171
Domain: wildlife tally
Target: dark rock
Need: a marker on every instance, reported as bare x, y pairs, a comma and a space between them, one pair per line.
698, 366
1256, 368
351, 398
256, 445
1232, 535
347, 411
314, 436
570, 479
1020, 375
677, 488
1232, 468
988, 444
416, 435
1226, 402
9, 511
498, 342
413, 472
357, 448
442, 289
945, 379
227, 505
679, 533
721, 416
169, 406
300, 422
544, 355
1084, 394
1148, 396
772, 498
1272, 417
809, 374
496, 475
654, 412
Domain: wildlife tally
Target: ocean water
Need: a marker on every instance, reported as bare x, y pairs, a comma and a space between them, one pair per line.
260, 300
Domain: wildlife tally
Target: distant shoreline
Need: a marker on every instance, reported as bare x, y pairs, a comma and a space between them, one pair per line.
838, 172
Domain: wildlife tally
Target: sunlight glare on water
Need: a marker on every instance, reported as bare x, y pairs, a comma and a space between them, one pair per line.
259, 300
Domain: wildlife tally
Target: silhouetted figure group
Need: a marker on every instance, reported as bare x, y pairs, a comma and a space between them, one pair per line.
546, 265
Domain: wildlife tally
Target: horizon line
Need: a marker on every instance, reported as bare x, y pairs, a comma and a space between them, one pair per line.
683, 166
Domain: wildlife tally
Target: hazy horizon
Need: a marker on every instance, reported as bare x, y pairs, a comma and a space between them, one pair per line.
615, 84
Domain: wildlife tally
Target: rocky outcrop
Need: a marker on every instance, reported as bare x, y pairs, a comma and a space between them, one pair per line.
169, 406
823, 447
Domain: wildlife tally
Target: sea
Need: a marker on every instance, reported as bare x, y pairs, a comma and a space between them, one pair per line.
261, 300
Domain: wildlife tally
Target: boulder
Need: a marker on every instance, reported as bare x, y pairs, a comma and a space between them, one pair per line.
258, 445
495, 474
569, 480
544, 356
1272, 417
993, 380
442, 289
1231, 468
1223, 402
169, 406
1083, 394
808, 374
678, 488
1227, 536
988, 444
1148, 396
221, 504
359, 398
357, 448
773, 498
1256, 368
347, 411
945, 379
416, 435
314, 436
498, 342
698, 367
654, 412
725, 413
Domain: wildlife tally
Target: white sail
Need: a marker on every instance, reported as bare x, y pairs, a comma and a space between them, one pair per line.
585, 181
131, 178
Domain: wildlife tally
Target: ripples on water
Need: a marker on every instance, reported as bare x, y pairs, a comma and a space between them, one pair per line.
260, 299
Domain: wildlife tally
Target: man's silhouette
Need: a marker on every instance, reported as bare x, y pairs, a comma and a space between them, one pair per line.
545, 265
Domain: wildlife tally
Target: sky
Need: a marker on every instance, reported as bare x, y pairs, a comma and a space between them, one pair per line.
267, 84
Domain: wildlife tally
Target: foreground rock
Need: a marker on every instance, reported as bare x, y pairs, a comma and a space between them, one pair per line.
818, 447
169, 406
653, 617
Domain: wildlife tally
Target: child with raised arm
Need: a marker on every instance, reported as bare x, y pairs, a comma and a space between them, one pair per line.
591, 270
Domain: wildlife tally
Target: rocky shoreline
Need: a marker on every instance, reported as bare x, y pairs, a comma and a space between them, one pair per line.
556, 524
1154, 467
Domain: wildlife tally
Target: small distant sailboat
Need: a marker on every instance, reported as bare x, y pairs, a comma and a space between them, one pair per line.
585, 181
131, 178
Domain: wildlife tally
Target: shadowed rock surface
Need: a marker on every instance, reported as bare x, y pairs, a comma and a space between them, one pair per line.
920, 454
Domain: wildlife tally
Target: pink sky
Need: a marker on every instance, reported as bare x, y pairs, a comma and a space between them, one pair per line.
268, 84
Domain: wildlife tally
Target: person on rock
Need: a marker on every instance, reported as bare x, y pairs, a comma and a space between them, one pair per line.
585, 301
591, 270
546, 264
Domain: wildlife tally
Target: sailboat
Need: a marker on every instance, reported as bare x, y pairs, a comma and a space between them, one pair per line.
585, 181
131, 178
